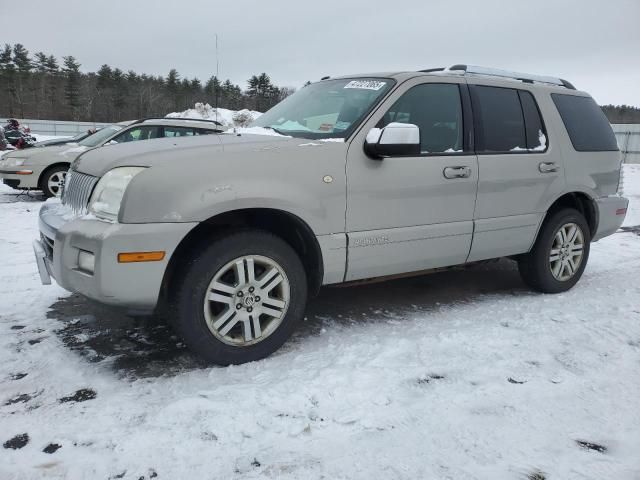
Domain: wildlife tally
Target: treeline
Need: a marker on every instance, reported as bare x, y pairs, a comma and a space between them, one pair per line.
621, 113
43, 87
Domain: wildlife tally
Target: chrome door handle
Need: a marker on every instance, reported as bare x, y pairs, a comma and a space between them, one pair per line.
456, 172
547, 167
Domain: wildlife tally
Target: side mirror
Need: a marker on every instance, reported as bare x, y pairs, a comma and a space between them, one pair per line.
111, 142
396, 139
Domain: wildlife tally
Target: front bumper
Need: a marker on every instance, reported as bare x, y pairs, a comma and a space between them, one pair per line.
19, 180
611, 213
131, 285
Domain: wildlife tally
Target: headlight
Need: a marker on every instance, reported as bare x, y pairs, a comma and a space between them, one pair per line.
107, 196
11, 161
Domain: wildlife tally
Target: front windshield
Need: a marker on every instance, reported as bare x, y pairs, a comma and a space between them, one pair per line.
326, 109
100, 136
80, 136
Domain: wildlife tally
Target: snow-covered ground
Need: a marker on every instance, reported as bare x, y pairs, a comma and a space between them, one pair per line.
229, 118
460, 375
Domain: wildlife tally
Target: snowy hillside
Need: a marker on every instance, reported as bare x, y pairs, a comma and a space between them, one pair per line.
229, 118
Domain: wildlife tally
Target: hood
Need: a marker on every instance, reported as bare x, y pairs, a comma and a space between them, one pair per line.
183, 150
48, 155
55, 141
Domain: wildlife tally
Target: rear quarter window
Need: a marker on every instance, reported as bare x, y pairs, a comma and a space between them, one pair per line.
586, 124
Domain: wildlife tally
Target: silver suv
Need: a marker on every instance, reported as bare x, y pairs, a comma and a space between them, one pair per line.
348, 179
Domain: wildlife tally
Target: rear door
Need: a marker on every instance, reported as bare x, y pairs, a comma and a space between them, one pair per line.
520, 169
410, 213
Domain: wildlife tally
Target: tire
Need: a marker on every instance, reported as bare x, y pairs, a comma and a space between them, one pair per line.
50, 181
537, 268
208, 299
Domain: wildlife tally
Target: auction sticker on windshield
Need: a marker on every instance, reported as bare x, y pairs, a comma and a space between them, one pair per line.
366, 84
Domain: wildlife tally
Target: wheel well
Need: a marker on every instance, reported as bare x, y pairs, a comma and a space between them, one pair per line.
580, 202
287, 226
50, 167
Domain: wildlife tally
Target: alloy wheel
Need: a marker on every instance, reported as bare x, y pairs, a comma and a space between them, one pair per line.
566, 252
247, 300
55, 182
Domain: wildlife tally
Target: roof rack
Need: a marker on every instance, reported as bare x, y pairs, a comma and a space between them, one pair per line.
141, 120
523, 77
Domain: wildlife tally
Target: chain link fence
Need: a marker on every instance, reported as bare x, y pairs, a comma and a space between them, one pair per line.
55, 127
628, 136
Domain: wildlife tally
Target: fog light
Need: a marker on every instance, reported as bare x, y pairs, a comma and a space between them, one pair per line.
86, 261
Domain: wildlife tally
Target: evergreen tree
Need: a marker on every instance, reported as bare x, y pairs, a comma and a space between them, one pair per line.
120, 92
71, 71
23, 66
36, 87
173, 86
8, 76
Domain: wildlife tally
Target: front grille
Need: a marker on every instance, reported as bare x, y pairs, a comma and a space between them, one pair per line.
77, 191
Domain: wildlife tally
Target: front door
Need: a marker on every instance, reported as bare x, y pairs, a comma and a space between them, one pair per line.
411, 213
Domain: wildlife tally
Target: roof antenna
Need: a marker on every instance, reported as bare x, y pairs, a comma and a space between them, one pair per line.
217, 77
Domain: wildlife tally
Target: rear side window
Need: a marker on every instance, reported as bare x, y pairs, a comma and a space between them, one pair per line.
499, 120
178, 131
586, 124
506, 120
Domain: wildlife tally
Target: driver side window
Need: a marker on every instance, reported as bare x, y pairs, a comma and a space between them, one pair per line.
138, 133
436, 109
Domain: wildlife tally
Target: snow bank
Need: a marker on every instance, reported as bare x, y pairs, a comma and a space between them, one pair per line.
229, 118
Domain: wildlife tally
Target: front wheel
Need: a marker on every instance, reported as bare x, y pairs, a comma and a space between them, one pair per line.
52, 181
560, 254
241, 297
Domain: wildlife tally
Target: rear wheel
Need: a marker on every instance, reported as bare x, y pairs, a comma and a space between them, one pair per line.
560, 254
52, 180
240, 298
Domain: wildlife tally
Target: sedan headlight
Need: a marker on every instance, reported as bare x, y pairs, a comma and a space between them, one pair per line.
8, 161
107, 196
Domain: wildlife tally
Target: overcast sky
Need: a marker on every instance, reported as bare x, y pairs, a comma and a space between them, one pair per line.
595, 44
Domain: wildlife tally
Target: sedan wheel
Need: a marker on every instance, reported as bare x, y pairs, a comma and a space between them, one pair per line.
55, 182
52, 180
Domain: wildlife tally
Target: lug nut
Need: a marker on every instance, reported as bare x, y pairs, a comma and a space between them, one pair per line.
240, 294
257, 299
251, 289
238, 306
249, 309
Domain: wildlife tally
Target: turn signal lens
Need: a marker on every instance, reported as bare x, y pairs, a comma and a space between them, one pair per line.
24, 172
131, 257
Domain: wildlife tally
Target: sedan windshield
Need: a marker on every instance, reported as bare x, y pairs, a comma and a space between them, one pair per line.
80, 136
100, 136
326, 109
